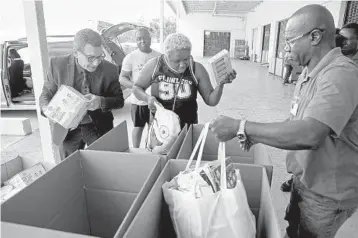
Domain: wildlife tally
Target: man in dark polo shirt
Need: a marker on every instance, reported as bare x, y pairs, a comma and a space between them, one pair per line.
322, 132
350, 43
86, 71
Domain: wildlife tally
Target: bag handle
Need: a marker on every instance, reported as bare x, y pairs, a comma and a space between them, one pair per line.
201, 143
221, 158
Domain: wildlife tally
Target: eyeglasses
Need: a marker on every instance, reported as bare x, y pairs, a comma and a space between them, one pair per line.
91, 58
290, 42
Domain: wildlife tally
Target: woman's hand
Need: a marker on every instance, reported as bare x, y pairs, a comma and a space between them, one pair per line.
152, 101
228, 78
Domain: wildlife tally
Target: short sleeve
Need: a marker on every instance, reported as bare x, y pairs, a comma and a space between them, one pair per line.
335, 99
127, 63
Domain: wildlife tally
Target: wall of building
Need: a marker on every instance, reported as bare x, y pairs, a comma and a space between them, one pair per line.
194, 25
271, 12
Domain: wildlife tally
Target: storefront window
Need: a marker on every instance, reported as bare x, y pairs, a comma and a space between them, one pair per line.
280, 52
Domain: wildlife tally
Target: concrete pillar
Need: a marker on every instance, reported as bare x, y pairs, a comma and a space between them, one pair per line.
161, 26
177, 16
36, 38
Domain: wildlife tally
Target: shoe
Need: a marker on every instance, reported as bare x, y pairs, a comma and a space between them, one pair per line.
287, 185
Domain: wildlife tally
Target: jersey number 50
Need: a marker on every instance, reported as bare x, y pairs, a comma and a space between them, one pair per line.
167, 91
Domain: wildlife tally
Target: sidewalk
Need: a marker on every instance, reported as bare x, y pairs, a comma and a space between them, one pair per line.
254, 95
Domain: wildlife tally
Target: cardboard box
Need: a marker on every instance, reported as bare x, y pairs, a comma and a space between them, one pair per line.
153, 218
27, 176
256, 155
117, 140
90, 193
67, 107
12, 170
15, 126
220, 65
18, 164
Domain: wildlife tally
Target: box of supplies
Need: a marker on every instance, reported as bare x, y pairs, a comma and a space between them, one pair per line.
153, 219
19, 172
91, 193
257, 154
67, 107
220, 65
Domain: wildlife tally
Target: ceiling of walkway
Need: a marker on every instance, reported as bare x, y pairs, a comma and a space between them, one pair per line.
218, 8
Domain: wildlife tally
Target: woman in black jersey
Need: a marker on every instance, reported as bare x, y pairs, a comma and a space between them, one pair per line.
175, 79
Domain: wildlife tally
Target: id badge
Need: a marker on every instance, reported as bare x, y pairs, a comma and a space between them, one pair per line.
294, 106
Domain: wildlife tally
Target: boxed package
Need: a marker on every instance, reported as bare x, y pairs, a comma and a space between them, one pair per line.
91, 193
257, 154
67, 107
220, 66
117, 140
19, 172
153, 218
27, 176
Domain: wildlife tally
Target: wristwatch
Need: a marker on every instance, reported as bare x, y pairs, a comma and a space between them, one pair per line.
241, 135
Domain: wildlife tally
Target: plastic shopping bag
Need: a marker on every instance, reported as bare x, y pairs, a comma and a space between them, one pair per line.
163, 131
225, 213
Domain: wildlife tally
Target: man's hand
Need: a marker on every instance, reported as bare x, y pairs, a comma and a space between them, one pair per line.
94, 102
224, 128
228, 78
246, 146
151, 103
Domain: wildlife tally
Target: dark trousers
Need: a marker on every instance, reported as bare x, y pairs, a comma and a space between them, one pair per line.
77, 139
310, 215
288, 71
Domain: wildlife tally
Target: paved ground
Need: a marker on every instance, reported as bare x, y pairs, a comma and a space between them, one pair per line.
254, 95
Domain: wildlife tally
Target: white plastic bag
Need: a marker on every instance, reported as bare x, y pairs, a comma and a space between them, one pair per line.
163, 131
225, 213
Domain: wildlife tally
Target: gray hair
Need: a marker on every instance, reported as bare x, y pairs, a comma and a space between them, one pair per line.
176, 41
86, 36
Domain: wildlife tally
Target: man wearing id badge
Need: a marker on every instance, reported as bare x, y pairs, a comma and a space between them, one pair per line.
321, 133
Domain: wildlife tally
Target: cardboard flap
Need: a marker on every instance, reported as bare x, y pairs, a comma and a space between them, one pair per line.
73, 217
41, 201
114, 140
139, 201
10, 230
116, 171
177, 144
11, 168
262, 157
107, 209
149, 217
267, 220
186, 146
251, 176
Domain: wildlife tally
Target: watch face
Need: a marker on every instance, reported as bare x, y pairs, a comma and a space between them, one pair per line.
242, 137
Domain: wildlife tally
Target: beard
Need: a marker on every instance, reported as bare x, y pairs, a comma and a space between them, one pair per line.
350, 51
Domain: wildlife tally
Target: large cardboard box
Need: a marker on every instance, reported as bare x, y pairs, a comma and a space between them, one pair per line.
90, 193
257, 154
153, 218
117, 140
